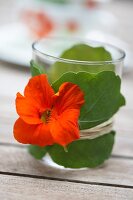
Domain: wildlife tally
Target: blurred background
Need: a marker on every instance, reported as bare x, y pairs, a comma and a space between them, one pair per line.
22, 22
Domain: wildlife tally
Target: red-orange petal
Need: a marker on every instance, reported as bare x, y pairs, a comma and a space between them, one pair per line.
44, 137
32, 134
39, 90
27, 110
70, 96
38, 97
64, 128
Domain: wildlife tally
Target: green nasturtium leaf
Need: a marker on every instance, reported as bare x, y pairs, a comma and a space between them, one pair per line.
102, 95
37, 151
82, 52
84, 153
35, 69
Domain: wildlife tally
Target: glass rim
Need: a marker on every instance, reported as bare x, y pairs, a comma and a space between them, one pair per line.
113, 61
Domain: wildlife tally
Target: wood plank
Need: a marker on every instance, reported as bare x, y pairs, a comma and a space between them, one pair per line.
123, 144
123, 141
114, 171
18, 77
123, 125
124, 120
14, 187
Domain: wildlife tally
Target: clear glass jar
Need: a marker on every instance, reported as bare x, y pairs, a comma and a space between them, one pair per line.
47, 51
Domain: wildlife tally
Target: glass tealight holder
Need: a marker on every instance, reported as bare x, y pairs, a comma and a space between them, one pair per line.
49, 54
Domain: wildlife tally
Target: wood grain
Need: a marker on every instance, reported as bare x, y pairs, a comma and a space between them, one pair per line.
123, 126
18, 188
17, 160
123, 141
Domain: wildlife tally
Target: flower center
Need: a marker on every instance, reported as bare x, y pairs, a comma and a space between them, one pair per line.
45, 116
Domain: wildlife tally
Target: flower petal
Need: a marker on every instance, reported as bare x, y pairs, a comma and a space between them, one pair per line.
69, 96
64, 128
38, 98
40, 91
27, 110
44, 136
32, 134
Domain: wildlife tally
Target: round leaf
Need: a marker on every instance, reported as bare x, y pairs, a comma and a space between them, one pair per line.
37, 152
81, 52
84, 153
102, 95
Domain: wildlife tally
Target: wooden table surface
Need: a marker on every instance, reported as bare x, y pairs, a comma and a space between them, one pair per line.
23, 177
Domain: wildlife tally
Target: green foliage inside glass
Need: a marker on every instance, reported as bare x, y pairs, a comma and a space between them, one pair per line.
35, 69
81, 52
37, 152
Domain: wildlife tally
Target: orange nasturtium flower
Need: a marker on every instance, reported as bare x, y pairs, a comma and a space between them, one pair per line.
46, 118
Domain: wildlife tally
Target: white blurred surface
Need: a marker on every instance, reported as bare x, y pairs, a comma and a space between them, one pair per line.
111, 23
